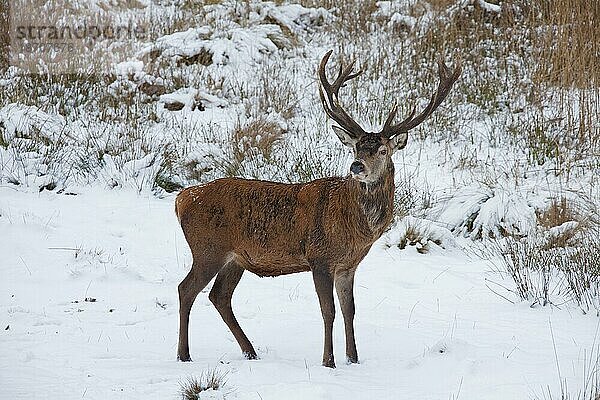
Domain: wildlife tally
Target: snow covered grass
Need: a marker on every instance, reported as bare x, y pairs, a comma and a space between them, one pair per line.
254, 59
553, 262
553, 267
590, 387
210, 385
421, 233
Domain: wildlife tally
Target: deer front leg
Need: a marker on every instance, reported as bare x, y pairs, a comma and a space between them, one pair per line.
344, 286
324, 288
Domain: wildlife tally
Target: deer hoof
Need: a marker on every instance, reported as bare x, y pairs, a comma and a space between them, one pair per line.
250, 355
352, 360
329, 363
186, 358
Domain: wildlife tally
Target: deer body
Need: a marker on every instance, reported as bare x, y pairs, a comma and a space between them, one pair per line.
326, 226
276, 229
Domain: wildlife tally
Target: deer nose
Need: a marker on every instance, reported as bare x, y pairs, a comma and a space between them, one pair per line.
357, 167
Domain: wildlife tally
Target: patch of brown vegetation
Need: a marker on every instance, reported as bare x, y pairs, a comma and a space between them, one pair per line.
258, 136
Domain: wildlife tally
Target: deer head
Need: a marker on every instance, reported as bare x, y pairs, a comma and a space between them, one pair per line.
373, 150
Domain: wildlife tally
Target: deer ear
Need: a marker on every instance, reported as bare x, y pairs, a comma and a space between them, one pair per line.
398, 142
344, 136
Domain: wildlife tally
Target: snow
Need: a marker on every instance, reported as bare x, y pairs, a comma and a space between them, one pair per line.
20, 119
557, 231
431, 231
294, 16
135, 174
237, 46
184, 95
427, 326
211, 394
187, 43
489, 211
131, 67
188, 96
489, 6
399, 19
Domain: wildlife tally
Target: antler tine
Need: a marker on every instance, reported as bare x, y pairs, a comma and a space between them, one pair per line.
345, 75
330, 97
390, 118
447, 79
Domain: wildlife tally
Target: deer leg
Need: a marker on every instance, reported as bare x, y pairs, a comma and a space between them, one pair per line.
220, 295
344, 285
190, 286
324, 288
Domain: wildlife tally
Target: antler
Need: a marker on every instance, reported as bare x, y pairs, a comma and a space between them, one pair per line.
447, 79
331, 102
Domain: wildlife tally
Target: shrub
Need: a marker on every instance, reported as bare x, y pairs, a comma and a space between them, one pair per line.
488, 209
542, 269
259, 136
409, 198
530, 265
209, 381
417, 232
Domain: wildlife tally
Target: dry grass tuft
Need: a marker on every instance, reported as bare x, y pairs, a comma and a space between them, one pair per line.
278, 91
529, 265
568, 40
582, 274
562, 221
557, 214
568, 223
590, 386
258, 136
252, 151
418, 236
410, 199
211, 380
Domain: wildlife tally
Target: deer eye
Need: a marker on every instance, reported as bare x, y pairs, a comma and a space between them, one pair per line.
383, 151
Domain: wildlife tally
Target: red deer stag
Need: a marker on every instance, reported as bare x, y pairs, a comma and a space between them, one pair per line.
326, 226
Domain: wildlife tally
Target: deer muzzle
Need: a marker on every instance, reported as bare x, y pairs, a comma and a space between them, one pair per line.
357, 168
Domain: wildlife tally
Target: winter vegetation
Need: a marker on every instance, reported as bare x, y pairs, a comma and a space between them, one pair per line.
487, 285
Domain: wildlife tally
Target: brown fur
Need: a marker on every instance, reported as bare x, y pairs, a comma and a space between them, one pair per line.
276, 229
326, 226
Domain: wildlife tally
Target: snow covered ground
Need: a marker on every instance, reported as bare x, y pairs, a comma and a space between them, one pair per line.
89, 310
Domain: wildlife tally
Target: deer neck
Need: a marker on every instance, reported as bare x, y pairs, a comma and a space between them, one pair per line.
375, 201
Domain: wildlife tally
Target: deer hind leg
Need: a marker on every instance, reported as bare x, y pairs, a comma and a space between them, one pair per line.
344, 286
196, 280
324, 288
220, 295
